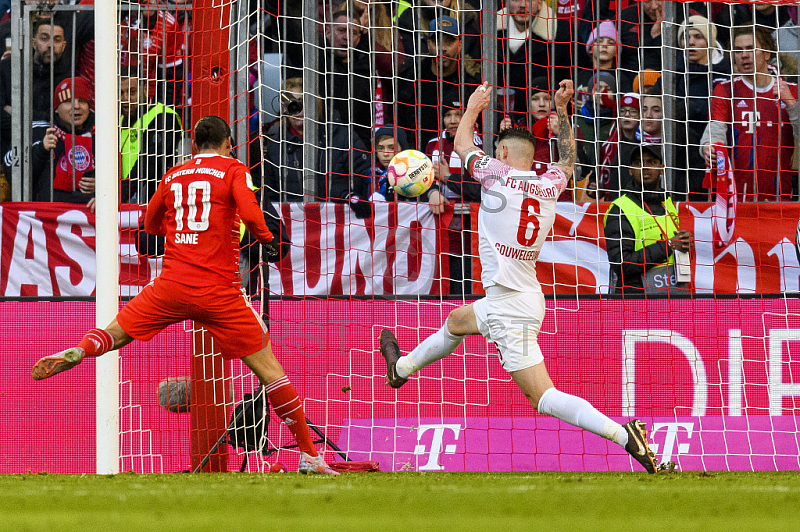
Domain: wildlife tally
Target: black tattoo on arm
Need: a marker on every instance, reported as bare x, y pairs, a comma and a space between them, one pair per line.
566, 143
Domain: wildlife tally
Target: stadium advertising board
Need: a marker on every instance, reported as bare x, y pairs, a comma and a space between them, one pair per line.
47, 250
718, 381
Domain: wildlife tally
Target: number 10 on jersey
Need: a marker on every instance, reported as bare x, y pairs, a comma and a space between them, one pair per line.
193, 224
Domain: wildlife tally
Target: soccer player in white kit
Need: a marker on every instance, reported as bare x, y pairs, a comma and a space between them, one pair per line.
517, 212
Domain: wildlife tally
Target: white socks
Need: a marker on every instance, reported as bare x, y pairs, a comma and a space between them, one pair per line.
581, 413
434, 347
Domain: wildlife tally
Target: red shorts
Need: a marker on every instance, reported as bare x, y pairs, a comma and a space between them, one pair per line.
224, 311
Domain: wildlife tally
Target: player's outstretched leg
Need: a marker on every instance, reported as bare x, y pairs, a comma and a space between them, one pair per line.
637, 445
391, 353
460, 323
537, 386
51, 365
94, 343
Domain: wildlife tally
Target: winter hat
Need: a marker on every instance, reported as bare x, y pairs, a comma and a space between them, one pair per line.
540, 84
647, 78
604, 29
603, 76
701, 24
630, 99
63, 92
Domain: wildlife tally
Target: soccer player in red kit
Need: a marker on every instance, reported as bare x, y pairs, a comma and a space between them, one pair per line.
195, 207
756, 113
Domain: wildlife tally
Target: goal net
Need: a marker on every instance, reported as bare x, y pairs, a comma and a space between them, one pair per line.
318, 94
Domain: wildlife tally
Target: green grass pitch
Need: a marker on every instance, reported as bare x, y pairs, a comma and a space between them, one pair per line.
402, 501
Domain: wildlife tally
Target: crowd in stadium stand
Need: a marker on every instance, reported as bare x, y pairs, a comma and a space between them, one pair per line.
404, 68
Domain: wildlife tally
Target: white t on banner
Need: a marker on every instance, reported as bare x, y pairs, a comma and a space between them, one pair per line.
335, 253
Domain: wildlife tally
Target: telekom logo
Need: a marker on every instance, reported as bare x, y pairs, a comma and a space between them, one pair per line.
671, 444
437, 444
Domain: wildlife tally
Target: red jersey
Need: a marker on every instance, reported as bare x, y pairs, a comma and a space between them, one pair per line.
75, 161
195, 207
761, 136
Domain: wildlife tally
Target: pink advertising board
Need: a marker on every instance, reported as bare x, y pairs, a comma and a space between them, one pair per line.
717, 380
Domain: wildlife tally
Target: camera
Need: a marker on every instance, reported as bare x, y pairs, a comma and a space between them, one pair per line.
290, 106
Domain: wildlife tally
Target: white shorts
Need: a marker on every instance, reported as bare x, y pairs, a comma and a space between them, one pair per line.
511, 320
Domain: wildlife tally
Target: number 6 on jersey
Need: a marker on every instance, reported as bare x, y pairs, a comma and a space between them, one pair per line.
528, 218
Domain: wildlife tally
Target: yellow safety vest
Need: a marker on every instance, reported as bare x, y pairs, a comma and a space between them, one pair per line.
646, 227
403, 5
130, 137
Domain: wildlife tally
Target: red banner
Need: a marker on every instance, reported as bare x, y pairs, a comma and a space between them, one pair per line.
47, 249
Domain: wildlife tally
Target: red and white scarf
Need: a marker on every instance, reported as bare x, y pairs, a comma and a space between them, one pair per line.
723, 212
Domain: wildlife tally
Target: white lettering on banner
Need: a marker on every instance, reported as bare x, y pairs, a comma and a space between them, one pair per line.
778, 389
786, 253
436, 444
630, 337
76, 249
31, 271
574, 212
671, 439
735, 372
703, 251
399, 257
581, 253
706, 259
746, 268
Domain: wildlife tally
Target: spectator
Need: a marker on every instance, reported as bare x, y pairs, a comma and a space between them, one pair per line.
149, 136
768, 16
532, 42
640, 36
704, 65
389, 141
540, 106
602, 48
388, 56
642, 229
283, 148
457, 187
41, 97
597, 115
761, 111
448, 166
344, 78
70, 144
651, 131
457, 79
414, 23
341, 156
152, 40
621, 140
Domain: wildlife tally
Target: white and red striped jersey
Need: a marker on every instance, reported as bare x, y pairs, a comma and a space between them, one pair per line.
517, 212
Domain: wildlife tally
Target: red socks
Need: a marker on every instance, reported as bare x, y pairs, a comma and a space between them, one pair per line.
96, 342
286, 404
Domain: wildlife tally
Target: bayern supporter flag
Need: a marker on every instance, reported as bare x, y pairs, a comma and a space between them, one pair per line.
723, 211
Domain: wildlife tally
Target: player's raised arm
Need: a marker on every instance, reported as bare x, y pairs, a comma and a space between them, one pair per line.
567, 150
478, 101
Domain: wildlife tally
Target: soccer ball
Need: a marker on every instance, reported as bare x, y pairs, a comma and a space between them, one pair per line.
410, 173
